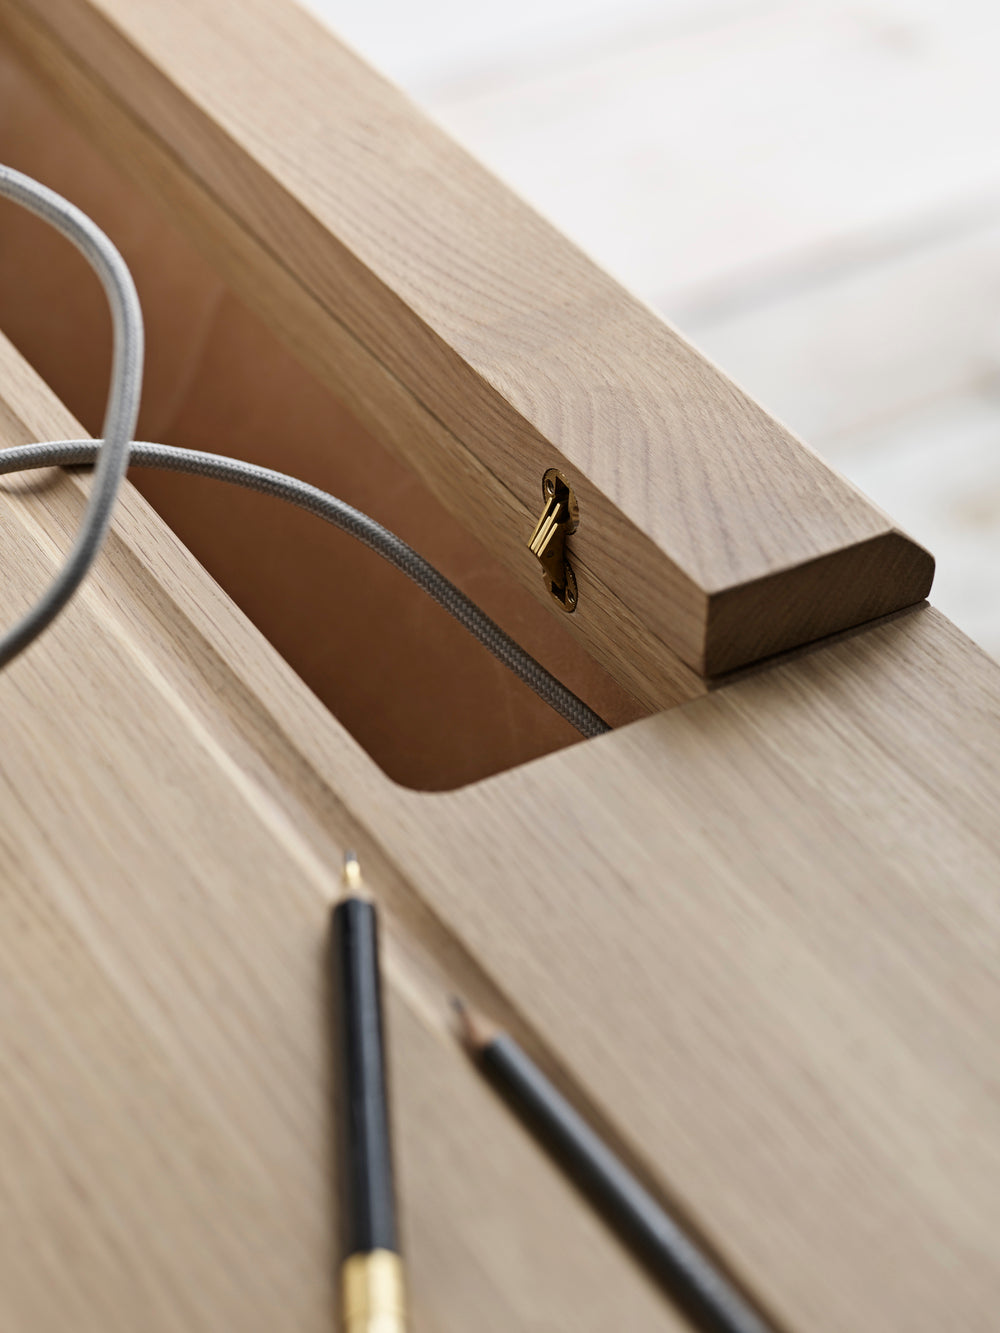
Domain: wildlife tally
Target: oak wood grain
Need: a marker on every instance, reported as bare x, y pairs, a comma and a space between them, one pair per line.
766, 962
449, 316
425, 700
768, 959
166, 1108
755, 937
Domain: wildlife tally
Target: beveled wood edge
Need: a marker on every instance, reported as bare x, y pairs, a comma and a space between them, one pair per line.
854, 594
431, 398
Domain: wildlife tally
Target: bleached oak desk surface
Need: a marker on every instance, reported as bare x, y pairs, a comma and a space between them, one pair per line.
756, 935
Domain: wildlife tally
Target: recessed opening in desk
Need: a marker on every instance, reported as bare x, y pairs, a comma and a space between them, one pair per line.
430, 705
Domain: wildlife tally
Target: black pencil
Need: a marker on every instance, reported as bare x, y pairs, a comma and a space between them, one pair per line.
371, 1274
697, 1284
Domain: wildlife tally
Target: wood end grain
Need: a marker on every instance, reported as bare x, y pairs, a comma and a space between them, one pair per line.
811, 601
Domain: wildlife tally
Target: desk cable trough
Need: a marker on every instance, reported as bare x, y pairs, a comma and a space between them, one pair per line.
113, 453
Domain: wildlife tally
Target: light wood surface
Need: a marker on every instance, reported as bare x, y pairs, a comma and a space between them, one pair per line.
809, 192
756, 937
166, 1116
766, 960
784, 897
424, 699
704, 523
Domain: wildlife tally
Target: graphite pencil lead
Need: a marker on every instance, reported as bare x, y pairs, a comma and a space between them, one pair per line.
475, 1032
352, 879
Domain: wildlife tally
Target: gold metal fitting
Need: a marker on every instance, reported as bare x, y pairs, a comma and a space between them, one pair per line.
373, 1298
547, 543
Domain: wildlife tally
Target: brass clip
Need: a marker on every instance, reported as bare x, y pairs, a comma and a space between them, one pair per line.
559, 518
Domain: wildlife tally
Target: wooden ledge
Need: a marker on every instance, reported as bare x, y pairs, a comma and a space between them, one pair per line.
473, 339
846, 588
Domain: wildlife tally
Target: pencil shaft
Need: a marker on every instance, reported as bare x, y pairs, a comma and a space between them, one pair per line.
693, 1279
368, 1209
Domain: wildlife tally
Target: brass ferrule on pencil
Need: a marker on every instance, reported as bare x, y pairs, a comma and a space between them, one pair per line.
373, 1295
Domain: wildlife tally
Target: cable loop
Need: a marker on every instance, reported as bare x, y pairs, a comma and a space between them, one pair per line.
122, 408
113, 452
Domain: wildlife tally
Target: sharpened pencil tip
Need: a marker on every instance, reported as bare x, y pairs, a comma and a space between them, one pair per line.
352, 879
474, 1031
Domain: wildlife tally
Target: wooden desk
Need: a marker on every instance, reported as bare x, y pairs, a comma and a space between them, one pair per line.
756, 934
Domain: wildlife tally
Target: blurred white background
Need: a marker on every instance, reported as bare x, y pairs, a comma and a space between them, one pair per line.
809, 191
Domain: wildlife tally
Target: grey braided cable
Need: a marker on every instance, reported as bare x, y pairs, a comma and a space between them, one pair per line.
122, 405
66, 453
112, 457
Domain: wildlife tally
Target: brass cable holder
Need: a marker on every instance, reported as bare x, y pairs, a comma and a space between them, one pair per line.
560, 517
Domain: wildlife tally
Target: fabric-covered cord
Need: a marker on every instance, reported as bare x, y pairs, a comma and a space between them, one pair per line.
349, 520
122, 405
112, 457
